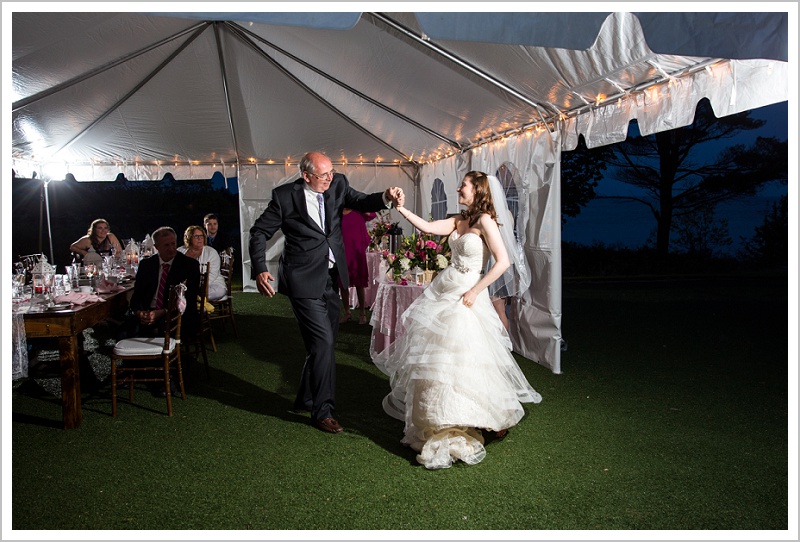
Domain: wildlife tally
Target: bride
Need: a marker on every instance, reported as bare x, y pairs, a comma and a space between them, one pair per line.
452, 374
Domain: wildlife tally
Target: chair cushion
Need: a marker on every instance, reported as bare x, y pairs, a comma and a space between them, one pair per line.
142, 346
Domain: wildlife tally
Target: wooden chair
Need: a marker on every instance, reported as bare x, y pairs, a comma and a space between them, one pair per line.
150, 359
223, 308
198, 342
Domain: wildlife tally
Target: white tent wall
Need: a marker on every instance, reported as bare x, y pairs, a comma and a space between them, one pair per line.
255, 191
109, 172
533, 159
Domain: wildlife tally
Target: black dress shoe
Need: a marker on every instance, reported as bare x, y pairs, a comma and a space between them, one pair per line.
329, 425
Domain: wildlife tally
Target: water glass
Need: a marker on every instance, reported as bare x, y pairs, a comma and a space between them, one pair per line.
60, 285
21, 301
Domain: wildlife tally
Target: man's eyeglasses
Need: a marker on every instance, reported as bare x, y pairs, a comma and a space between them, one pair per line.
325, 176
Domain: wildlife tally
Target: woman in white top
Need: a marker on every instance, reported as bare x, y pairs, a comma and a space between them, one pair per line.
194, 241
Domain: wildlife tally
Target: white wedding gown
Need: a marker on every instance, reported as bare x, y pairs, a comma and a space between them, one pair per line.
452, 373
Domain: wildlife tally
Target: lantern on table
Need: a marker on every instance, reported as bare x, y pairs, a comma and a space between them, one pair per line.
131, 252
43, 274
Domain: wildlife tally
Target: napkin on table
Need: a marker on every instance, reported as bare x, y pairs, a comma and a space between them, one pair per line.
107, 287
78, 298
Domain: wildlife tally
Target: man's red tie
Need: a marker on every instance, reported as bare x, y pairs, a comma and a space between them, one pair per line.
162, 286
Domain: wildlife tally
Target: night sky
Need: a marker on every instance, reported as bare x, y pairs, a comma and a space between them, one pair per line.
612, 222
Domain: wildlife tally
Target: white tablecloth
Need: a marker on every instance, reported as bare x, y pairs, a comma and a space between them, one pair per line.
377, 273
19, 355
391, 301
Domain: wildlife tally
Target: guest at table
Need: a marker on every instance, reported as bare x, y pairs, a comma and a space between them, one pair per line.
452, 375
356, 240
194, 246
215, 238
100, 238
149, 300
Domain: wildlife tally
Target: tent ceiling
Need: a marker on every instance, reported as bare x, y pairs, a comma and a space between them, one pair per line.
119, 88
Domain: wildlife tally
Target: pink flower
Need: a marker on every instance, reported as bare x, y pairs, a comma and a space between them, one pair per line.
432, 244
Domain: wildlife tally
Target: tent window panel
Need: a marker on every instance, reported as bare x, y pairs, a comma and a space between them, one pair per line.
438, 200
508, 176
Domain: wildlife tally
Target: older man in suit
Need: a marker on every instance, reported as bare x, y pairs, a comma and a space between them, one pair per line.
309, 213
154, 278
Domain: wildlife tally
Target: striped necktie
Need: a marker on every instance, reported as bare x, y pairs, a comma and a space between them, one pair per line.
321, 202
162, 286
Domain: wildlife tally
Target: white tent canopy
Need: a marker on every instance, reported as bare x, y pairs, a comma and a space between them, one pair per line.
393, 98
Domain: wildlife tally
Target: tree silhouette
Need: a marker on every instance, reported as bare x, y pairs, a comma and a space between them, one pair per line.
677, 174
581, 170
770, 243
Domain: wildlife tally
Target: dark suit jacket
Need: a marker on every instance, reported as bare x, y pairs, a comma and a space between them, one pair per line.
221, 242
183, 268
303, 269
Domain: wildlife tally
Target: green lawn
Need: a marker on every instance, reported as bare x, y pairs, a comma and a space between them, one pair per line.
671, 414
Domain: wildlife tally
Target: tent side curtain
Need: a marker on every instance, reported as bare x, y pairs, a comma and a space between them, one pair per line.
528, 167
108, 172
731, 87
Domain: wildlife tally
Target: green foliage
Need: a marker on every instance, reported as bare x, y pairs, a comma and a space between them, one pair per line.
770, 243
701, 233
581, 170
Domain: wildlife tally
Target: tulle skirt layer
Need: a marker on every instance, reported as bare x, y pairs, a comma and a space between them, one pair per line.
453, 374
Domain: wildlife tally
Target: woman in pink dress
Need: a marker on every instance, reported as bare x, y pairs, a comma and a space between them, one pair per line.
356, 241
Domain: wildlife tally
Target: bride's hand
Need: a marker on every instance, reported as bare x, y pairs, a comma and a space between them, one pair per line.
469, 298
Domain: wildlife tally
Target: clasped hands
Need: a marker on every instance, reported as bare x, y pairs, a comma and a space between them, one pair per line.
150, 317
396, 195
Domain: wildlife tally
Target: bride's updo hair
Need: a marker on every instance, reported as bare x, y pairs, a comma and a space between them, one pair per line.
482, 202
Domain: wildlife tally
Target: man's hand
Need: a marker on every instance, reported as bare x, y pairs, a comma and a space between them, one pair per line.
263, 282
397, 196
150, 317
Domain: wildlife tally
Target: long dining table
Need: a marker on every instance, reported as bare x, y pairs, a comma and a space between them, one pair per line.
66, 325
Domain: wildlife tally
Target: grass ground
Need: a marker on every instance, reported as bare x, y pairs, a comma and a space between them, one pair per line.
671, 414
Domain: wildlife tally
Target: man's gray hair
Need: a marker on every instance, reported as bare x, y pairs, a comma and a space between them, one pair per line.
163, 230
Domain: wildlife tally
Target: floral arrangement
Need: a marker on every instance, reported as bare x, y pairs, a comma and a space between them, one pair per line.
430, 254
423, 251
399, 262
380, 229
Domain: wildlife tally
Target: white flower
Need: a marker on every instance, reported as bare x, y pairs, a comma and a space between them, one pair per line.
405, 263
441, 261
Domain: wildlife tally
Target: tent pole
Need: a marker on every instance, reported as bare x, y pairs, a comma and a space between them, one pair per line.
49, 231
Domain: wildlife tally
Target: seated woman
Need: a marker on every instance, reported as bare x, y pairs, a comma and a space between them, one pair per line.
100, 238
194, 241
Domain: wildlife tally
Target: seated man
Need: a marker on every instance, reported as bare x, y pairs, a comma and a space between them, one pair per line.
151, 291
216, 239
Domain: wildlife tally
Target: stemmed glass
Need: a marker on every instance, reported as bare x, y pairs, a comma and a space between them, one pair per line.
47, 284
19, 281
